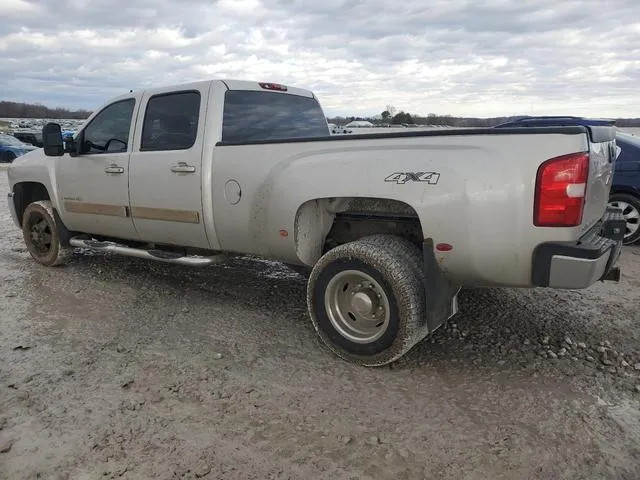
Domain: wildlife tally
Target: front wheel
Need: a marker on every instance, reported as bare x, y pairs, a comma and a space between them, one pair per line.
367, 301
630, 207
40, 234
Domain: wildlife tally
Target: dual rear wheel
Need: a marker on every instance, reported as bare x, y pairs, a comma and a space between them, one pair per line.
367, 301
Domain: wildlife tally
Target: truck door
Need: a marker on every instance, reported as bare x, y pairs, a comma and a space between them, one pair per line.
93, 187
166, 167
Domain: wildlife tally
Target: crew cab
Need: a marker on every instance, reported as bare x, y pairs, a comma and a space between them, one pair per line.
389, 226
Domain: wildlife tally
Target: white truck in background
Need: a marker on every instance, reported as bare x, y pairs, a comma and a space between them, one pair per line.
390, 225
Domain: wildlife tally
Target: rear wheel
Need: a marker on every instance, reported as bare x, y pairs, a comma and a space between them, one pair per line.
40, 234
630, 206
366, 299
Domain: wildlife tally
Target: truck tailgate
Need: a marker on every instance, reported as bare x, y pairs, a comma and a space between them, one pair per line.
602, 151
602, 156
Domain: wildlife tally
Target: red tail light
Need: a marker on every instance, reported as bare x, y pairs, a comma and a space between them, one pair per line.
561, 187
273, 86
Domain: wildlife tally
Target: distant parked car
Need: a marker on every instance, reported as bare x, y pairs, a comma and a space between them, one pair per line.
33, 137
625, 190
11, 148
336, 129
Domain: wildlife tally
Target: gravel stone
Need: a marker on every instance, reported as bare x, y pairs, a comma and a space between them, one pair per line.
552, 354
127, 382
6, 446
590, 359
546, 339
568, 340
202, 470
605, 359
582, 345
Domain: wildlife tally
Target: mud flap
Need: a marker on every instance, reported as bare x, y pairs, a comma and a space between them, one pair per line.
63, 233
441, 294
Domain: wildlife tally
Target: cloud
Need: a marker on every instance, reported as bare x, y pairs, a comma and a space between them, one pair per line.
494, 57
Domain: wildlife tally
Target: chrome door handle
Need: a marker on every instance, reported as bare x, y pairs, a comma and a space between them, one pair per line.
113, 168
182, 167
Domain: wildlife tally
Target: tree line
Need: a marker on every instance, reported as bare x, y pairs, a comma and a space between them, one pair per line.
37, 110
390, 116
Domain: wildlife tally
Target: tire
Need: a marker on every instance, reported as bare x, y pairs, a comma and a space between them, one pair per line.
366, 299
630, 206
40, 234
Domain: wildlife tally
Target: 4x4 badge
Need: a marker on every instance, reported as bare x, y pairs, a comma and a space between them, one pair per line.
403, 177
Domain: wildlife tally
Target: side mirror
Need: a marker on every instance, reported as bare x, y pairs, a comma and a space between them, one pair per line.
52, 140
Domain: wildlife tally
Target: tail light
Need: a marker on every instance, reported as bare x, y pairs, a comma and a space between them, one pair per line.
273, 86
561, 187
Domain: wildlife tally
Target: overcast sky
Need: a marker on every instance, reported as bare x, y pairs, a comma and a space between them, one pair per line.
475, 58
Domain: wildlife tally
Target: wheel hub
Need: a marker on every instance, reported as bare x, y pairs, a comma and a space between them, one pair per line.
40, 234
364, 303
357, 306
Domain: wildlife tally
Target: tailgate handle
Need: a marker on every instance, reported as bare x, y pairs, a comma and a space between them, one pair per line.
182, 167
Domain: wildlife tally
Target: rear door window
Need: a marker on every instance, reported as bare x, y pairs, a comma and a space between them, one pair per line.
171, 122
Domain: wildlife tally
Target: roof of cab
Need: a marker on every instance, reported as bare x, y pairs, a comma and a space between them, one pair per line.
257, 86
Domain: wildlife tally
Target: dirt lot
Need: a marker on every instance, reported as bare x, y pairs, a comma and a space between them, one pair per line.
118, 368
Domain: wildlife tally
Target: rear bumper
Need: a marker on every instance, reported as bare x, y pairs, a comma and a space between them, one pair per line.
12, 209
582, 263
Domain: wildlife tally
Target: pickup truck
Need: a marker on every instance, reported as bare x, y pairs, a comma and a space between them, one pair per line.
389, 226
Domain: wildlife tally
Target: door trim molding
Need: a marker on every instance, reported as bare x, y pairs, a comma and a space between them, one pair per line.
96, 208
141, 213
166, 214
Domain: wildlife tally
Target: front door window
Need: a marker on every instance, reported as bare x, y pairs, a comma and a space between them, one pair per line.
109, 131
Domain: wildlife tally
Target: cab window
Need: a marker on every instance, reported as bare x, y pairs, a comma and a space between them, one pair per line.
109, 131
171, 121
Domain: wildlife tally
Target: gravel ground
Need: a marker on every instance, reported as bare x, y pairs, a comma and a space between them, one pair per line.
118, 368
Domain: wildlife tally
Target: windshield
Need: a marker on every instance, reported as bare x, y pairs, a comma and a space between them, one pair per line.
254, 116
11, 141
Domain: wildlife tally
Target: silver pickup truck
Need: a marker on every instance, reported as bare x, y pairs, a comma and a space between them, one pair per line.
389, 226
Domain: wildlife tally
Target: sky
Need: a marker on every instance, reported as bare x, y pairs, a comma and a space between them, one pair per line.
464, 58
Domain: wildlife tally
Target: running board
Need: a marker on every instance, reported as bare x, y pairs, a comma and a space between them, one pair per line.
158, 255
